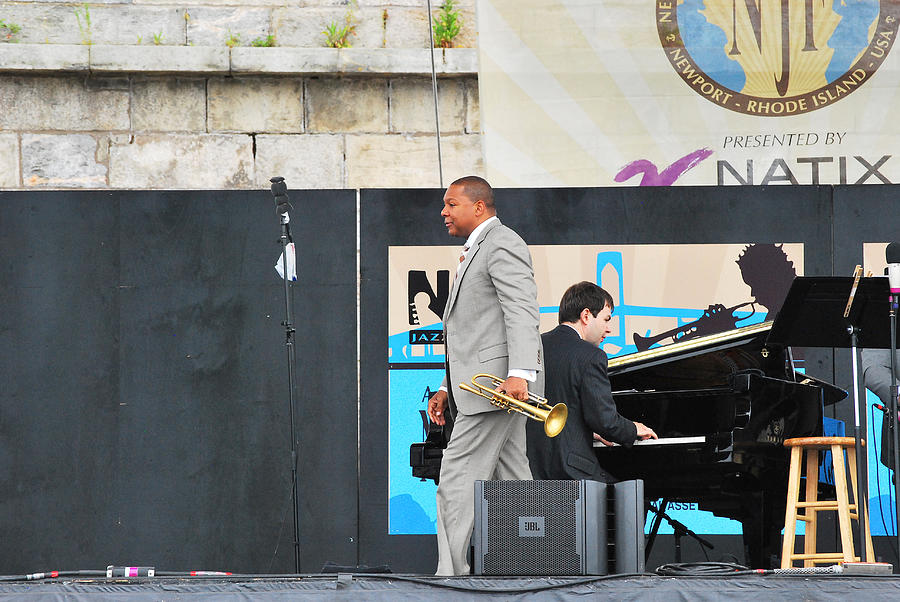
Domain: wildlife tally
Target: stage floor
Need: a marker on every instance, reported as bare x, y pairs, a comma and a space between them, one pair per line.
391, 587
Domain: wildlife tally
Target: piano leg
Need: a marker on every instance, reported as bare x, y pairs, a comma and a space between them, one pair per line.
762, 522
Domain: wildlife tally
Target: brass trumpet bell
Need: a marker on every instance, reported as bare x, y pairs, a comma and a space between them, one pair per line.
536, 408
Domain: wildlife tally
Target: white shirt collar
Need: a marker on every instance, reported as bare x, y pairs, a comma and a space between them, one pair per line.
478, 230
575, 329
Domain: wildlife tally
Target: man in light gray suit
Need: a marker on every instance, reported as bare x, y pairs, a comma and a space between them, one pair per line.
876, 366
491, 325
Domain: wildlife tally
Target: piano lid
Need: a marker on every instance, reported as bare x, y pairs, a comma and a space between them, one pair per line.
710, 361
686, 349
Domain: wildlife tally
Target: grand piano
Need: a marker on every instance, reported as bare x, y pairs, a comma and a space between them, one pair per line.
722, 406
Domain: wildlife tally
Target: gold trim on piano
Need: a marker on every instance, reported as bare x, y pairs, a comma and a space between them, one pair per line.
674, 348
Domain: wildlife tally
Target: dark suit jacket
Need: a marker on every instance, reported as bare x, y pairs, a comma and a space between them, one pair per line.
575, 374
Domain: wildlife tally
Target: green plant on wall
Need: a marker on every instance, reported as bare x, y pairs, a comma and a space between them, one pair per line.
9, 31
266, 42
338, 36
84, 24
158, 38
233, 39
446, 25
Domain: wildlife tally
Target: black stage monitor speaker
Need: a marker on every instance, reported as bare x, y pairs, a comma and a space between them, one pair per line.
540, 528
626, 531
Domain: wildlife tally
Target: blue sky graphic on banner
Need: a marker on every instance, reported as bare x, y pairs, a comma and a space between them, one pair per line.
655, 287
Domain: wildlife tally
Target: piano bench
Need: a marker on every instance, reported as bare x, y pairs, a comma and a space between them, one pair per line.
846, 511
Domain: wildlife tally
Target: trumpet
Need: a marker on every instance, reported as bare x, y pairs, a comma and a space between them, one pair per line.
537, 407
716, 318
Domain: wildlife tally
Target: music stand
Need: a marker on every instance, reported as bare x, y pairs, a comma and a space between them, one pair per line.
813, 316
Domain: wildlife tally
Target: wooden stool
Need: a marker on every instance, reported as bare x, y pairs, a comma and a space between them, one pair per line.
845, 510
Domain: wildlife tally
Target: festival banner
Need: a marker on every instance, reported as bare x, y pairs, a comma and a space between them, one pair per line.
662, 293
693, 92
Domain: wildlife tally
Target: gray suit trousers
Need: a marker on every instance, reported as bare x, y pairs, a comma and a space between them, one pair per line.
485, 446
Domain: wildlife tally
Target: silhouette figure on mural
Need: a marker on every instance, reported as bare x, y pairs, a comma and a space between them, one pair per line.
769, 273
766, 269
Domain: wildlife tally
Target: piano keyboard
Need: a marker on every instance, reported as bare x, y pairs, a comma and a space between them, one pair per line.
661, 441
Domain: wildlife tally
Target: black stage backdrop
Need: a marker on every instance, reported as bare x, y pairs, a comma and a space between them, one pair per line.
143, 383
143, 386
548, 217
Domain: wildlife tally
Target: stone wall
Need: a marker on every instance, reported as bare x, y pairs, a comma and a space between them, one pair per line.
191, 112
294, 23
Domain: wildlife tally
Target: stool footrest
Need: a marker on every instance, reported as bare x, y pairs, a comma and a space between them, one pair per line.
823, 505
821, 556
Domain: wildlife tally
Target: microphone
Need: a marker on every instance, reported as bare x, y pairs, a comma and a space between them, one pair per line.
279, 191
892, 255
884, 410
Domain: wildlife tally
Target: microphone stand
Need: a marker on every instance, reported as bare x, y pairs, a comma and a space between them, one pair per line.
282, 206
862, 492
680, 530
862, 481
893, 414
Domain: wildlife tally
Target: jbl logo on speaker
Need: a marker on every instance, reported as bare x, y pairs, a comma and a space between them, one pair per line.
531, 526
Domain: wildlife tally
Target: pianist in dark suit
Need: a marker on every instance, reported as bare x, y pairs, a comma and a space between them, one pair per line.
575, 369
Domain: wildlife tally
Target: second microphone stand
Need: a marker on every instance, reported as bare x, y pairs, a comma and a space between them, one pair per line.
892, 417
678, 528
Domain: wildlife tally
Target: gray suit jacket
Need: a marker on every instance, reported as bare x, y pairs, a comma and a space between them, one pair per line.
876, 366
491, 321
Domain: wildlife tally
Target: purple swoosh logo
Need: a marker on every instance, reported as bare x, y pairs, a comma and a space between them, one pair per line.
651, 174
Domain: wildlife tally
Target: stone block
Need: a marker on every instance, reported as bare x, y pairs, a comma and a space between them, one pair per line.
381, 61
404, 161
103, 24
101, 82
407, 27
224, 3
159, 59
9, 160
255, 104
457, 61
120, 24
165, 161
412, 105
307, 161
468, 33
43, 23
43, 57
362, 61
347, 105
169, 105
60, 103
210, 26
62, 161
284, 61
473, 108
305, 26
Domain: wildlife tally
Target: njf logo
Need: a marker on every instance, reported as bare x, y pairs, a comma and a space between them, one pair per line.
418, 284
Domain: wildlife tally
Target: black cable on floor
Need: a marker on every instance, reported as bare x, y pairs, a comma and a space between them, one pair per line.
705, 569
